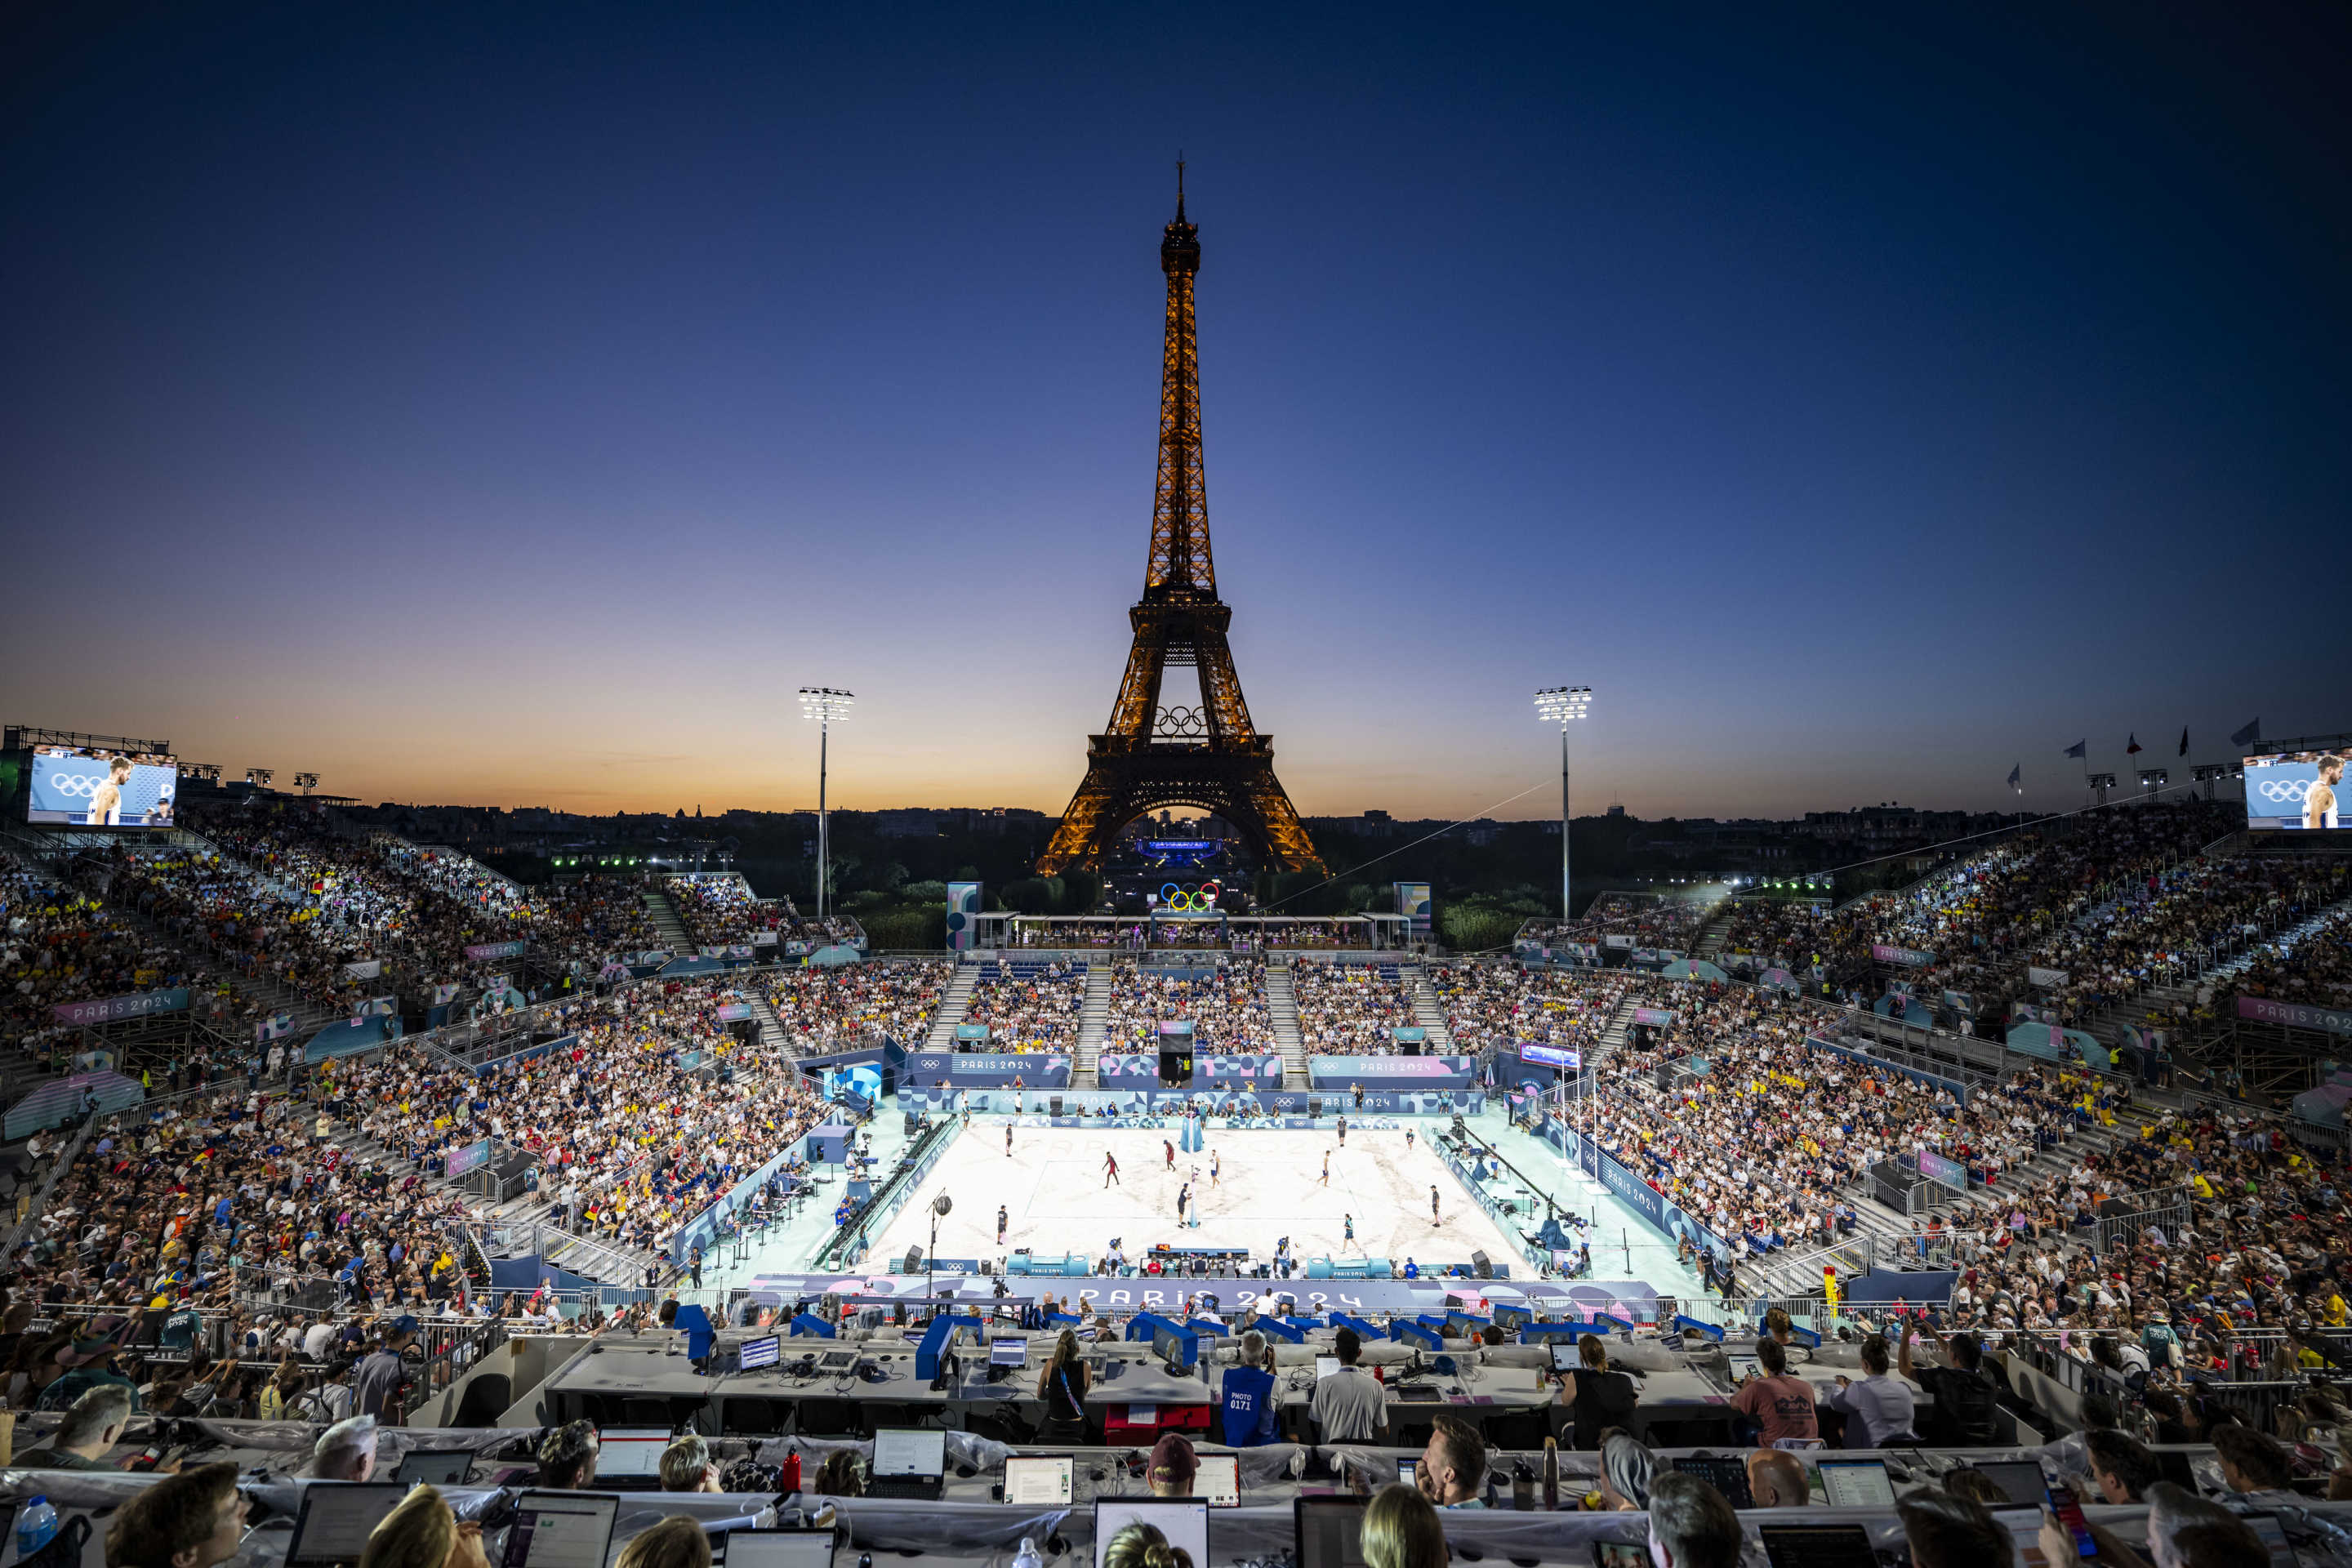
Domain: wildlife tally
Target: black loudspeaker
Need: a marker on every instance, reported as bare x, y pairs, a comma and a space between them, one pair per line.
1057, 1105
914, 1260
1314, 1106
1482, 1265
914, 1122
986, 1266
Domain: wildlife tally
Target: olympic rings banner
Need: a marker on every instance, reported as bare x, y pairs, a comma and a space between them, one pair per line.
1187, 898
1328, 1073
2295, 1014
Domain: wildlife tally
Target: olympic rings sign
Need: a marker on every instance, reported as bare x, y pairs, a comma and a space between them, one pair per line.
83, 785
2285, 789
1189, 899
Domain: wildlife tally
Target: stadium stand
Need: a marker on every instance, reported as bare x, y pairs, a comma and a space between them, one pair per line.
1028, 1005
1227, 1007
1350, 1009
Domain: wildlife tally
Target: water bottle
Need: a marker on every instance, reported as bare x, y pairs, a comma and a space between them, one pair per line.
35, 1526
1028, 1556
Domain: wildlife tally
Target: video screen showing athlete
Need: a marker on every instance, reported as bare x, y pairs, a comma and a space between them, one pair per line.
2319, 807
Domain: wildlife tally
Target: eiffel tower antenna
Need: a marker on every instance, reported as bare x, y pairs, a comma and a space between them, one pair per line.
1147, 757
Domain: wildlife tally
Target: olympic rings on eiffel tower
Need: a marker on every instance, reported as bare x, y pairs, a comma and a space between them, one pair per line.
1185, 900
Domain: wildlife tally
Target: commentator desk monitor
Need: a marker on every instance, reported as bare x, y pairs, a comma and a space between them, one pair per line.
772, 1549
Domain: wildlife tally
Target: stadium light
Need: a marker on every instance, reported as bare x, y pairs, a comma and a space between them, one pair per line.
259, 776
825, 705
1563, 705
306, 783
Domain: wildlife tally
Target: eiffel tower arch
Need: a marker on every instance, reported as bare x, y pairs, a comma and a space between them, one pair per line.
1148, 756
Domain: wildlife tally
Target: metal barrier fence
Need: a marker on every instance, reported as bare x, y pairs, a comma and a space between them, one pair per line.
2168, 1207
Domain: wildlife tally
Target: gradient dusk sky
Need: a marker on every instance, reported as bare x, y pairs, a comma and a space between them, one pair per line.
513, 405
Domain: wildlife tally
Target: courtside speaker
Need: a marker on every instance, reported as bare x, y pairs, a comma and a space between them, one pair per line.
1057, 1105
986, 1266
914, 1122
1482, 1264
914, 1260
1314, 1106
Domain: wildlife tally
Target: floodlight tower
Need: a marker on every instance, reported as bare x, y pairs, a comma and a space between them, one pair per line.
1563, 705
825, 705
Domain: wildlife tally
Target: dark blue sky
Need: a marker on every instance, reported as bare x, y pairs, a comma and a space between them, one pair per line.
505, 406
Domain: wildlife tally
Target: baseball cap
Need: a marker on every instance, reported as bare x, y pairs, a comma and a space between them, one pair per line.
1172, 1460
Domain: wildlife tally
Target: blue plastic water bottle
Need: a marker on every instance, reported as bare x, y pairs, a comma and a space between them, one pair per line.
35, 1526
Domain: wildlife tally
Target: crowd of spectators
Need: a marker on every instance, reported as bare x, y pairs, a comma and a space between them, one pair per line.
61, 943
1348, 1009
1029, 1006
1759, 1135
635, 1131
838, 1009
2314, 970
2093, 888
1226, 1005
722, 910
1650, 920
1503, 1005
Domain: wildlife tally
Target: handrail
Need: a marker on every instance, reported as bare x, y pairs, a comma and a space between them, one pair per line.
48, 1184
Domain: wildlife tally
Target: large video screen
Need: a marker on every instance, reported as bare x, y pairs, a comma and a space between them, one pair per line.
2300, 790
85, 787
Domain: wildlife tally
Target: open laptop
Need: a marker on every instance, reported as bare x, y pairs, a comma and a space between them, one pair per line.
909, 1462
1219, 1479
436, 1467
1008, 1350
1325, 1365
752, 1354
1743, 1367
630, 1453
335, 1520
772, 1549
1728, 1476
1033, 1481
561, 1529
2020, 1481
1817, 1546
1327, 1531
1856, 1483
1183, 1521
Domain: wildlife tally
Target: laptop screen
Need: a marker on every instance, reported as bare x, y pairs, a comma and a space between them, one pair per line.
1328, 1531
1856, 1483
1325, 1365
561, 1529
1219, 1479
1035, 1482
757, 1353
630, 1453
1008, 1352
1185, 1524
2020, 1481
1817, 1546
439, 1467
1726, 1476
336, 1517
908, 1451
776, 1548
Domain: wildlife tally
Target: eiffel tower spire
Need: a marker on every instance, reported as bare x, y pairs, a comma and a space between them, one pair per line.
1148, 756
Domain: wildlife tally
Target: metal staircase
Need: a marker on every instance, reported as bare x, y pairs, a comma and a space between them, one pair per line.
1428, 1010
958, 997
665, 920
771, 1028
1094, 1021
1281, 1008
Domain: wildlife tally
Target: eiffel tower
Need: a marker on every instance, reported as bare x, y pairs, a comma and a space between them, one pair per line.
1212, 756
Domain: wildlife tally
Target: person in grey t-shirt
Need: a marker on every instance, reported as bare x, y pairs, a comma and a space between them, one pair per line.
1349, 1406
1882, 1406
